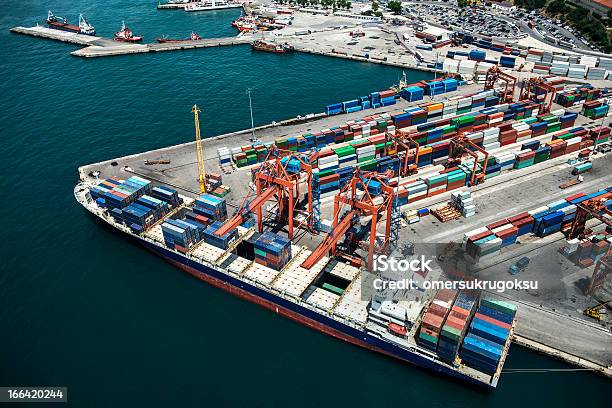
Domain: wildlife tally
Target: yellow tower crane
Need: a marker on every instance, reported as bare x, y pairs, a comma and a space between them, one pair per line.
201, 169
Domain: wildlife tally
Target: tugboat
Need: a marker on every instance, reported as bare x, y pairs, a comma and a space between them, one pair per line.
245, 23
192, 37
126, 35
60, 23
261, 45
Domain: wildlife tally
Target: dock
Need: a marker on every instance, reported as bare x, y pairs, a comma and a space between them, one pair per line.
106, 47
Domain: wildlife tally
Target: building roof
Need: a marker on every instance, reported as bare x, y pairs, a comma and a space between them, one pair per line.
605, 3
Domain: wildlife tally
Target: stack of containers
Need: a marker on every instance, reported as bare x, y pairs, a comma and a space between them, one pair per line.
224, 155
456, 179
412, 93
464, 105
488, 334
450, 109
505, 160
577, 71
166, 194
417, 190
505, 231
365, 153
557, 148
464, 202
328, 163
467, 67
490, 138
449, 84
329, 185
180, 235
455, 327
434, 318
351, 106
333, 109
594, 109
425, 156
220, 242
387, 98
523, 222
600, 134
436, 184
211, 207
272, 250
507, 62
596, 73
605, 63
559, 68
542, 154
482, 243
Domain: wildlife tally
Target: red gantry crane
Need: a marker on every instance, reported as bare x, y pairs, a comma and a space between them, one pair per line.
280, 176
366, 194
460, 145
404, 142
537, 90
594, 208
494, 74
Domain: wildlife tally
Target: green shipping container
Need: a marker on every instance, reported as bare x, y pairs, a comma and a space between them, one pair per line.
504, 307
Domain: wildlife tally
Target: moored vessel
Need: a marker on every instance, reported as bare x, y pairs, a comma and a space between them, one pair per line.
211, 5
126, 35
61, 23
261, 45
192, 37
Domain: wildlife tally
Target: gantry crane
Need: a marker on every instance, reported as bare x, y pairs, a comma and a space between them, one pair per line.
595, 208
533, 88
404, 140
275, 179
495, 74
201, 168
460, 145
361, 202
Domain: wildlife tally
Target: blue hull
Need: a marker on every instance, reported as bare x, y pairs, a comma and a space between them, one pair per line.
307, 316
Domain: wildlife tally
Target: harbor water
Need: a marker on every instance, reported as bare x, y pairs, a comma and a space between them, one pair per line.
84, 308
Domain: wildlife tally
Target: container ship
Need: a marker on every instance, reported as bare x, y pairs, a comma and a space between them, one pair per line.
171, 222
61, 23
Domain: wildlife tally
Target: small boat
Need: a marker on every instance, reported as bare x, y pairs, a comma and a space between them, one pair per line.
192, 37
245, 24
126, 35
261, 45
60, 23
211, 5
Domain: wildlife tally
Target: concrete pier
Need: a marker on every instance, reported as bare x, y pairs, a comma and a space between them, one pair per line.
106, 47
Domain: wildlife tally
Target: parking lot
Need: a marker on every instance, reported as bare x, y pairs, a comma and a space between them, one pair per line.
470, 20
552, 31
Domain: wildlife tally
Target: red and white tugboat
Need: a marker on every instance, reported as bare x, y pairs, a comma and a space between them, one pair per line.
192, 37
126, 35
245, 23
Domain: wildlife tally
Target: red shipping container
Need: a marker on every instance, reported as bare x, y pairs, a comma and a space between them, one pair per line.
497, 224
492, 321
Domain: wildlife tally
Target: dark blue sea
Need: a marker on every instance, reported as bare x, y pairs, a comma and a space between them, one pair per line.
82, 307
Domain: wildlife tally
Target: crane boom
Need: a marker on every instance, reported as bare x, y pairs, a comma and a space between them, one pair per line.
239, 217
330, 240
201, 169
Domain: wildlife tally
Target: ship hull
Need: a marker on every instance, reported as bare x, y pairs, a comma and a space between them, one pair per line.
298, 313
66, 27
